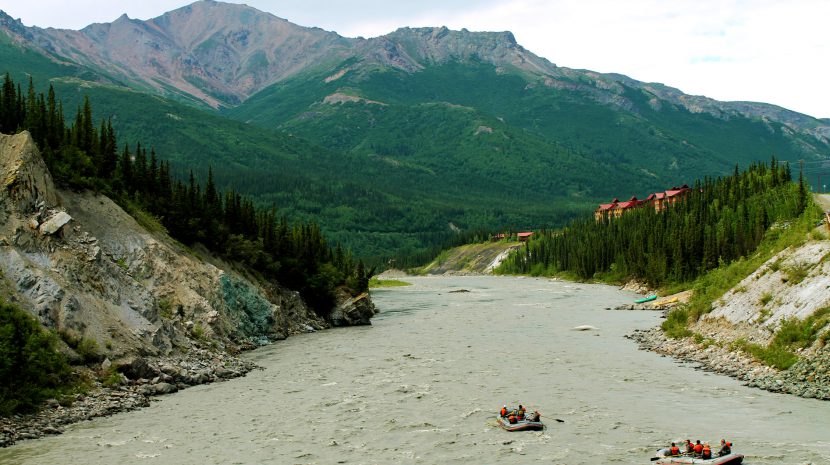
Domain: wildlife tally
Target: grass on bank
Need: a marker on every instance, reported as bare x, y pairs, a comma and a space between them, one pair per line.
793, 334
376, 283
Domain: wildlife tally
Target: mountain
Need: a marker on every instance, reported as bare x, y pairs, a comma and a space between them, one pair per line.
215, 53
393, 142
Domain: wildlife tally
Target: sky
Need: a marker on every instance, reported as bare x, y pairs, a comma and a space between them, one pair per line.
758, 50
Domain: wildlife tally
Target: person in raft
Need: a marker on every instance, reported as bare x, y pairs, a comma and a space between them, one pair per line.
690, 448
698, 448
503, 411
521, 414
536, 416
674, 450
707, 452
725, 448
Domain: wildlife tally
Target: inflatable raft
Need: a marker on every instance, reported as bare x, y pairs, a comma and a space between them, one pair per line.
646, 299
521, 425
729, 459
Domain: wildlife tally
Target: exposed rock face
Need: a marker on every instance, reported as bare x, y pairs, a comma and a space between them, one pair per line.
775, 292
102, 276
794, 284
353, 311
216, 52
26, 181
221, 54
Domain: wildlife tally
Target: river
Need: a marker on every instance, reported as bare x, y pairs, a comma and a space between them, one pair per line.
424, 383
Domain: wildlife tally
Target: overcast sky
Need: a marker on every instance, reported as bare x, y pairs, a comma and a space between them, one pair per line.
761, 50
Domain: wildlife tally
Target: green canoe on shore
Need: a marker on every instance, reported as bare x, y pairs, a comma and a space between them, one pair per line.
646, 299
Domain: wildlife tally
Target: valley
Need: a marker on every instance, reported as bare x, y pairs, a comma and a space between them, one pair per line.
198, 196
386, 141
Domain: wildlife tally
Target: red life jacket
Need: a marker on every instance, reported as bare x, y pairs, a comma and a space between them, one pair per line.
511, 419
675, 450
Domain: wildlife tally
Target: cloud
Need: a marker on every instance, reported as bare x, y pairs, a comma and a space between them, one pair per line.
763, 50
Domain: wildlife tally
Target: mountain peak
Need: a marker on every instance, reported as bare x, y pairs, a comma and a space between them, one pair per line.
13, 25
441, 44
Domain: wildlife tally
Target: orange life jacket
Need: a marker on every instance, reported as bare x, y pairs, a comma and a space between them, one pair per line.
698, 448
503, 412
707, 452
511, 419
675, 450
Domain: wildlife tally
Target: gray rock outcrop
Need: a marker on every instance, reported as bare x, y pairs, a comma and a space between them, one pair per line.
353, 311
156, 316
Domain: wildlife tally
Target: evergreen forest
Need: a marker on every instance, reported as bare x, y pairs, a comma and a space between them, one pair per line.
83, 155
718, 221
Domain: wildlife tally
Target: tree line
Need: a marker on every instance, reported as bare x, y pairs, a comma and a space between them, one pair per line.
718, 221
83, 155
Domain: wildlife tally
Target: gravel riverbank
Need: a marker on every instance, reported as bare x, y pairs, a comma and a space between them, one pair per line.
809, 378
140, 380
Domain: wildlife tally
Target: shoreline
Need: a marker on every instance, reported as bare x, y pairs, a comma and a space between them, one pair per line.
808, 378
149, 378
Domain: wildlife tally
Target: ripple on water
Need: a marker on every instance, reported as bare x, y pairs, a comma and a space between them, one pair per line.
422, 384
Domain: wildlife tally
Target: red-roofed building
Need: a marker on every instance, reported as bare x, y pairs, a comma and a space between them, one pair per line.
660, 201
521, 237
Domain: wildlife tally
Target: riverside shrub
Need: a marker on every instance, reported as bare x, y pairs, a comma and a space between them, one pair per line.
31, 368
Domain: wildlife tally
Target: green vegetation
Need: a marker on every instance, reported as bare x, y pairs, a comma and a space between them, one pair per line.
676, 323
31, 368
461, 143
165, 308
376, 283
718, 222
229, 224
795, 273
713, 284
793, 334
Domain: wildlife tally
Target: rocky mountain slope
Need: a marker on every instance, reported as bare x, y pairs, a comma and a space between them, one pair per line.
411, 131
222, 54
88, 270
214, 52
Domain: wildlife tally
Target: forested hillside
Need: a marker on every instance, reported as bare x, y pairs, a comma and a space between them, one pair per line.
719, 221
393, 144
83, 155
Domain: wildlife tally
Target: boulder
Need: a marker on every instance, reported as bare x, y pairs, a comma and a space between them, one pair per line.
55, 223
136, 368
164, 388
353, 311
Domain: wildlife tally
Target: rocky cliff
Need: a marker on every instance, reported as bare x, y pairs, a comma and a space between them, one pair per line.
141, 301
82, 265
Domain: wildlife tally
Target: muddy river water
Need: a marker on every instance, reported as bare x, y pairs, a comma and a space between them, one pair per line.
423, 385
